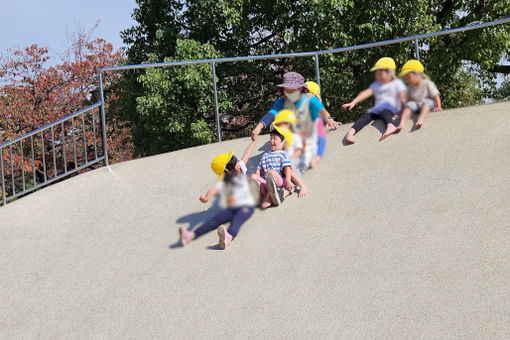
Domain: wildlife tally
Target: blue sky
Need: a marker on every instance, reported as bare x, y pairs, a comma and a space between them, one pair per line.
46, 22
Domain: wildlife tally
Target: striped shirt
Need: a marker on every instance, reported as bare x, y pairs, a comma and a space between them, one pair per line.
277, 161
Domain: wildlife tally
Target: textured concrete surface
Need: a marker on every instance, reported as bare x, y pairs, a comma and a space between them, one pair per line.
407, 238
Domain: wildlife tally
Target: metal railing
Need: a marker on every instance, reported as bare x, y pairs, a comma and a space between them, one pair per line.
50, 153
315, 54
14, 181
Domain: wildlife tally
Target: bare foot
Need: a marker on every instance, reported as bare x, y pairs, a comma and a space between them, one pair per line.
349, 138
399, 128
303, 191
389, 131
265, 204
419, 123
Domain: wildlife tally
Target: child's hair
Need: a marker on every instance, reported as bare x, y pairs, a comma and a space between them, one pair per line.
275, 132
230, 170
421, 74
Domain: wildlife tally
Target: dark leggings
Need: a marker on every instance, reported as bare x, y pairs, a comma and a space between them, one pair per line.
235, 215
385, 115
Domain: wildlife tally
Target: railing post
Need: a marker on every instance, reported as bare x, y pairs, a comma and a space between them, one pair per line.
416, 49
4, 199
103, 120
216, 101
317, 71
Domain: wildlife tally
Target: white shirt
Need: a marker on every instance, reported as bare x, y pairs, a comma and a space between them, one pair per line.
238, 192
386, 96
297, 143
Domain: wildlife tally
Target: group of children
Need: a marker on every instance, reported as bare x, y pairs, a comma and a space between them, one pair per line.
392, 98
298, 138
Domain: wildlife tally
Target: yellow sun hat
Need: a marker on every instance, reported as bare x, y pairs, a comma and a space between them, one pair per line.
285, 116
314, 88
286, 133
411, 66
219, 163
385, 63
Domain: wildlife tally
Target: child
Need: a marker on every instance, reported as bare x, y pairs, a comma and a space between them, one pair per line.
389, 95
287, 120
273, 167
314, 89
422, 93
241, 203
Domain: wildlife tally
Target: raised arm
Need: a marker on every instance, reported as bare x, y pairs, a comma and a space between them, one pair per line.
210, 193
249, 150
365, 94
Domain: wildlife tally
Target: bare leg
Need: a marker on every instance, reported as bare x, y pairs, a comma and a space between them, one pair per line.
299, 182
315, 161
403, 117
425, 109
349, 137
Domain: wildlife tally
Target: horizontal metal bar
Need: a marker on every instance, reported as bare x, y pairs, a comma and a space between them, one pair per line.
99, 159
47, 126
305, 54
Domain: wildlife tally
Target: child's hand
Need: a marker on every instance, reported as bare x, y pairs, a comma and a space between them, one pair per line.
255, 133
349, 105
203, 199
288, 185
438, 109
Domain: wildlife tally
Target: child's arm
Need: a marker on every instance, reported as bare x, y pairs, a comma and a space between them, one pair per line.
210, 193
299, 182
365, 94
403, 97
287, 171
249, 149
437, 101
297, 154
256, 132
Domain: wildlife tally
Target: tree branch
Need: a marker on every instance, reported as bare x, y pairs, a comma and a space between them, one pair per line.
501, 69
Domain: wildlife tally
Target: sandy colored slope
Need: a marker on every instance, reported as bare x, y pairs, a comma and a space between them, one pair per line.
405, 238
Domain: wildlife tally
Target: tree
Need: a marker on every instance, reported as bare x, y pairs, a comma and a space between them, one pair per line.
166, 122
503, 92
33, 95
247, 27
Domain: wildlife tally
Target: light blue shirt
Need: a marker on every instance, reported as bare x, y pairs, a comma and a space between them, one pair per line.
386, 96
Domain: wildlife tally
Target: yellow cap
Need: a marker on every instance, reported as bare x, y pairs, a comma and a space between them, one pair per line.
286, 133
314, 88
285, 116
385, 63
411, 66
219, 163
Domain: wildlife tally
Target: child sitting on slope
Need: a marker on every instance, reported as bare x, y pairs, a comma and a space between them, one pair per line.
240, 200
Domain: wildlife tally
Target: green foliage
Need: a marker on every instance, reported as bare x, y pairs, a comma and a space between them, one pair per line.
249, 27
503, 92
176, 109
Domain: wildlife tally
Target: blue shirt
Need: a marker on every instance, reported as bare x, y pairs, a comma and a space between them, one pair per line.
315, 107
277, 161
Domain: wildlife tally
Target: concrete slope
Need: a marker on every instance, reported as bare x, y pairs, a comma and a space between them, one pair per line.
402, 239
